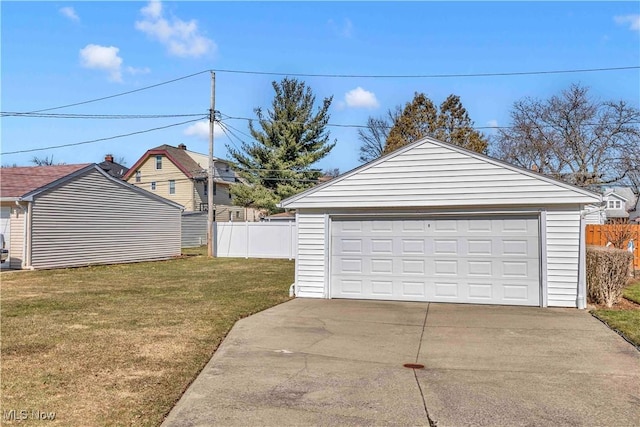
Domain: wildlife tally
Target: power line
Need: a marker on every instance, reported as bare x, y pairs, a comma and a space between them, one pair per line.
342, 125
94, 116
380, 76
100, 139
426, 76
121, 93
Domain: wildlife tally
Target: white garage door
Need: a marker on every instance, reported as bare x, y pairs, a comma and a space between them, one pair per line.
480, 260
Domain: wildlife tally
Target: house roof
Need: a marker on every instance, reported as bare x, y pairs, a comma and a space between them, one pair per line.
432, 173
114, 169
617, 195
21, 180
177, 156
24, 183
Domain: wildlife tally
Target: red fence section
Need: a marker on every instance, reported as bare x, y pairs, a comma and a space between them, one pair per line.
600, 235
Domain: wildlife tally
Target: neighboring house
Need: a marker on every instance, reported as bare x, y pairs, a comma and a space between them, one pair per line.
621, 201
114, 169
634, 215
194, 224
435, 222
77, 215
180, 175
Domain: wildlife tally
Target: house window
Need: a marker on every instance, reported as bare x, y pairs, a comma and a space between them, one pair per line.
158, 162
206, 189
214, 188
615, 204
153, 186
172, 186
138, 176
226, 169
237, 214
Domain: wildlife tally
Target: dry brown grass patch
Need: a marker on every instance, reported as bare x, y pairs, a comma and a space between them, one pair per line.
118, 345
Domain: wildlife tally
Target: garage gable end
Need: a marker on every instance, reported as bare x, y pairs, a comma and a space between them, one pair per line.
432, 173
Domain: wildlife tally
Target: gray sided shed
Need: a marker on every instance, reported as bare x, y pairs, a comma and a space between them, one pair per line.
89, 217
435, 222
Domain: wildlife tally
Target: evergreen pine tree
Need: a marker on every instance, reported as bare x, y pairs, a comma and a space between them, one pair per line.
290, 138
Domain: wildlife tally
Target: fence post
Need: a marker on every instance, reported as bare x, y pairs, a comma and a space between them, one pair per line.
246, 226
290, 239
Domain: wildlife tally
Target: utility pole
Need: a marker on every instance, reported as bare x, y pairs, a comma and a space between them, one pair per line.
211, 240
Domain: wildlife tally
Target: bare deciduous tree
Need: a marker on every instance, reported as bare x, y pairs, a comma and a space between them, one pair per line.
45, 161
573, 137
619, 234
374, 137
450, 122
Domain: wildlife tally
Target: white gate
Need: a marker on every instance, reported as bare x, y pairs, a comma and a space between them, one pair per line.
256, 239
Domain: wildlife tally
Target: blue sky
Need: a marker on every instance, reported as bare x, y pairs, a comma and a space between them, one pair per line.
57, 53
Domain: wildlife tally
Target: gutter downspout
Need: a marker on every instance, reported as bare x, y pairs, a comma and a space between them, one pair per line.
582, 267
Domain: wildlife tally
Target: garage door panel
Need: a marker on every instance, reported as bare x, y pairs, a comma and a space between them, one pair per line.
458, 260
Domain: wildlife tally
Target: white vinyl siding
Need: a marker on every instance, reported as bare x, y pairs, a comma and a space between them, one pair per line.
91, 219
430, 177
563, 240
437, 176
194, 229
310, 278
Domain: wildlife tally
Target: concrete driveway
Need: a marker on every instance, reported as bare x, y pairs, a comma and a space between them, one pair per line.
340, 362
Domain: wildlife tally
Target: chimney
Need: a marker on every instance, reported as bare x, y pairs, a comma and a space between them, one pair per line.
182, 147
108, 158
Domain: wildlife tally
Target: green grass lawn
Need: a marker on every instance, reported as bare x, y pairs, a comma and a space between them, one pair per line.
632, 292
626, 321
118, 345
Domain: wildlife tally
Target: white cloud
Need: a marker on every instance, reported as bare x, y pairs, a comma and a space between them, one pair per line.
102, 58
492, 123
632, 20
135, 71
70, 13
201, 130
360, 98
181, 38
345, 30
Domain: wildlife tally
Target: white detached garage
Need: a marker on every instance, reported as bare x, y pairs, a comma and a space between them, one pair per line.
435, 222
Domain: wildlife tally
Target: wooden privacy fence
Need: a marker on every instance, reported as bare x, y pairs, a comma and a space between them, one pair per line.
600, 235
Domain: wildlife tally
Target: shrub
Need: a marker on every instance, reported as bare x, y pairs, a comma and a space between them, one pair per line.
607, 274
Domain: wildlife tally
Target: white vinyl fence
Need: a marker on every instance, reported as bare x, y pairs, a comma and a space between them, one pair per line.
256, 239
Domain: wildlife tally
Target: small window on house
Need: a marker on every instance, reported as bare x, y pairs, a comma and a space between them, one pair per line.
226, 169
172, 186
206, 189
138, 176
214, 188
618, 204
153, 186
158, 162
237, 214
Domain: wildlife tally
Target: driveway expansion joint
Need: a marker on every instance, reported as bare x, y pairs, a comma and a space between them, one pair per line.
432, 423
